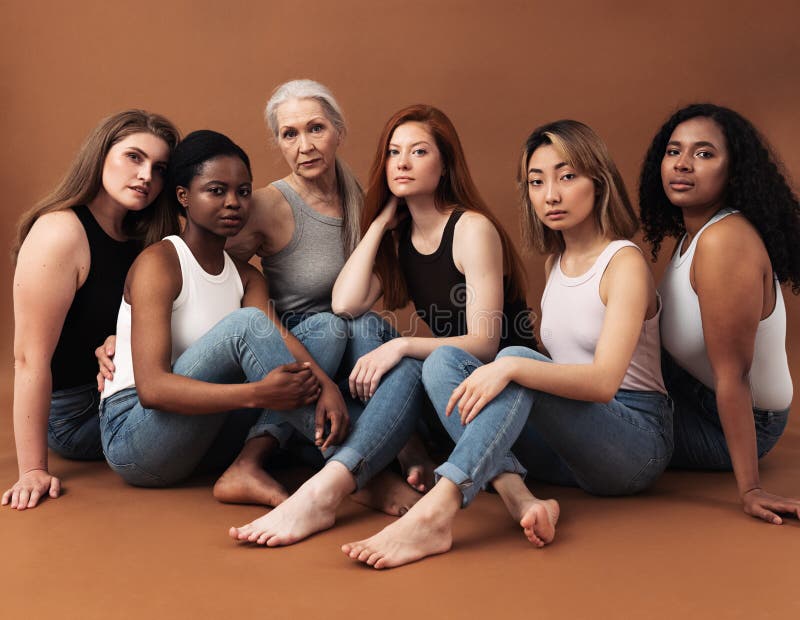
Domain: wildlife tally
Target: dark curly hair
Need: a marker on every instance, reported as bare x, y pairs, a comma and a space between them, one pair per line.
756, 187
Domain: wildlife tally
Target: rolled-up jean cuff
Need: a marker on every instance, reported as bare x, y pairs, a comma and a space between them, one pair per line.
466, 485
356, 464
281, 432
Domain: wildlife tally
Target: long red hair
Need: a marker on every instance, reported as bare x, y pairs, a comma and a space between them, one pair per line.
456, 187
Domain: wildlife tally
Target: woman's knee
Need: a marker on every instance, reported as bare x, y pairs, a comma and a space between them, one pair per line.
519, 351
442, 361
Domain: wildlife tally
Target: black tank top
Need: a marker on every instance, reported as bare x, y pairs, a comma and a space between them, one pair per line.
439, 290
93, 313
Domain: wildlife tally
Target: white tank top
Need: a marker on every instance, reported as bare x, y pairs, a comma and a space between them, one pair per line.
204, 300
572, 319
682, 332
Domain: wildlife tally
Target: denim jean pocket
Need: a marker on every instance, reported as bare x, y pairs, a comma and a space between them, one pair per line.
648, 474
72, 406
135, 475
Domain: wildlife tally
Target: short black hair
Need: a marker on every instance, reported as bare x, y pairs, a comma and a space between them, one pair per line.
189, 157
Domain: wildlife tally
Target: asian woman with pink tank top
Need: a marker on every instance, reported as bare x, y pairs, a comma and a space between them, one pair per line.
709, 180
596, 415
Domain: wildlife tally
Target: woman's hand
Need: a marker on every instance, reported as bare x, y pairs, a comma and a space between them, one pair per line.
331, 408
370, 368
479, 389
287, 387
762, 505
389, 217
105, 356
30, 488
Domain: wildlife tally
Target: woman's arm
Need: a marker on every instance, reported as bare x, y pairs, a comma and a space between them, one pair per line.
629, 291
357, 287
53, 262
731, 307
330, 405
154, 282
478, 252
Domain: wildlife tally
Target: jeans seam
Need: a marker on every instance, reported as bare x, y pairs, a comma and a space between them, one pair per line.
501, 431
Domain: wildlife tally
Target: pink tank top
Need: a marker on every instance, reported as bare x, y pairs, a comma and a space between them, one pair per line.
572, 318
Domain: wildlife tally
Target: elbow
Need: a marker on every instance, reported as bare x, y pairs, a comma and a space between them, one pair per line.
605, 390
346, 308
149, 395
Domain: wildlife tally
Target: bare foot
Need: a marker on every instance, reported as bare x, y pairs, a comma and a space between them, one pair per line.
247, 483
539, 520
424, 530
311, 509
388, 493
416, 464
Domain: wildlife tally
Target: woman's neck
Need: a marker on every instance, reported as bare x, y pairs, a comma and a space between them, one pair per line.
584, 241
321, 191
425, 217
208, 249
109, 214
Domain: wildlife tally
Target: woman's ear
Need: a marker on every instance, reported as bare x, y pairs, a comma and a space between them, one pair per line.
182, 195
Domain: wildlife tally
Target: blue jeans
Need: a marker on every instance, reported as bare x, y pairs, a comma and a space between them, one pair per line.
148, 447
363, 334
614, 448
73, 427
699, 438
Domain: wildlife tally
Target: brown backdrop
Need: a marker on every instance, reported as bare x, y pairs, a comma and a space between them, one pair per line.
498, 69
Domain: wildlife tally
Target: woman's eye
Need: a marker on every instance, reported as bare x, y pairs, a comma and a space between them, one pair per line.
419, 152
217, 191
534, 182
316, 128
672, 152
289, 133
161, 170
568, 176
134, 156
704, 155
392, 152
245, 191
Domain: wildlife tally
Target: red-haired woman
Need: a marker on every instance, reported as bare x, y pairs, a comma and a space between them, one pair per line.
451, 258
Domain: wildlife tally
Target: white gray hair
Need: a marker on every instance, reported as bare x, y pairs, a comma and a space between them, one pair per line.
350, 192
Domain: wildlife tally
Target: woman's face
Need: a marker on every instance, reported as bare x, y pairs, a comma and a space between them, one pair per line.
218, 199
413, 162
306, 137
561, 196
694, 169
133, 171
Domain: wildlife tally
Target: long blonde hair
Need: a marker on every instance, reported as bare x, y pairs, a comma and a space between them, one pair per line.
84, 179
350, 192
582, 149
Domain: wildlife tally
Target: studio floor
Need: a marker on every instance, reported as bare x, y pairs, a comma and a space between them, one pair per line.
682, 550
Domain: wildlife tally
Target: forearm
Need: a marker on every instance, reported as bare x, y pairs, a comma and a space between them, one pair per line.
183, 395
351, 291
32, 393
587, 382
300, 354
484, 348
734, 400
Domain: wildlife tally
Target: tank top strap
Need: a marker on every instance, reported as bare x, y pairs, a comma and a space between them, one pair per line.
679, 258
601, 264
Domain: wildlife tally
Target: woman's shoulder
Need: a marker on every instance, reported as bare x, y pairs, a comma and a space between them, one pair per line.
474, 226
733, 238
58, 233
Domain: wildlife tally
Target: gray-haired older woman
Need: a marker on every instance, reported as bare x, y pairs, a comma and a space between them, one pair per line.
304, 226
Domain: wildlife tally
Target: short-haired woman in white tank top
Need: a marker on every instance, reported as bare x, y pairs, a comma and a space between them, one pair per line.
595, 413
709, 180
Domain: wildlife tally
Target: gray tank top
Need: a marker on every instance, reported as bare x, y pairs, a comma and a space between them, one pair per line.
301, 275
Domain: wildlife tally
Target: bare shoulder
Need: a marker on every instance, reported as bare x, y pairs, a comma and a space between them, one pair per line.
731, 236
628, 264
268, 202
159, 261
56, 232
474, 227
